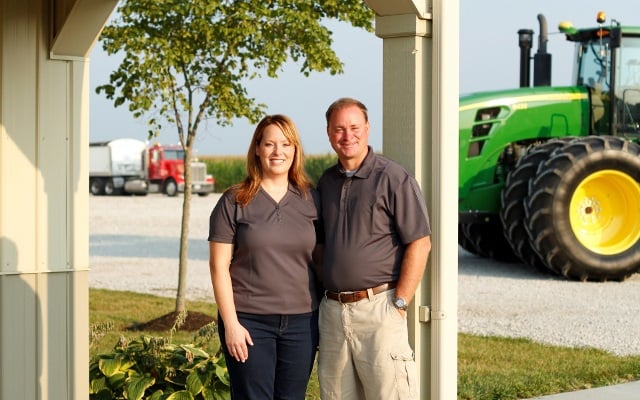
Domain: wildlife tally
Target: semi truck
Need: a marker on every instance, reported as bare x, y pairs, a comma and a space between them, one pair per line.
131, 166
550, 176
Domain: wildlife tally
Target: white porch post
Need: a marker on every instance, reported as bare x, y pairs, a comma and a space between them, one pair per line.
420, 130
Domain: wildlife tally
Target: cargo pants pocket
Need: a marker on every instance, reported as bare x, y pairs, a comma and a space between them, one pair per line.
405, 370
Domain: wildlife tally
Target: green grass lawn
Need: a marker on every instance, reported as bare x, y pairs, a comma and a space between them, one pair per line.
489, 368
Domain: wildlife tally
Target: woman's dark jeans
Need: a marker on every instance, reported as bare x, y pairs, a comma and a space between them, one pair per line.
280, 360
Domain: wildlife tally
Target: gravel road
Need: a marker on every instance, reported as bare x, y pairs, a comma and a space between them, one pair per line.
134, 245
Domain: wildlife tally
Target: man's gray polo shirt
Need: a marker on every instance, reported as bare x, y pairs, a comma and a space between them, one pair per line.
368, 221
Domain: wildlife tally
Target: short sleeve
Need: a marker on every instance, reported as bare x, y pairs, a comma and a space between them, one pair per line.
222, 221
412, 218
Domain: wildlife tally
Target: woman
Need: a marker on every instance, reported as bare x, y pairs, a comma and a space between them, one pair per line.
261, 239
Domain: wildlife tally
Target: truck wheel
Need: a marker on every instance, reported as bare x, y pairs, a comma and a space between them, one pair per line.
170, 188
109, 189
96, 186
512, 213
582, 209
488, 240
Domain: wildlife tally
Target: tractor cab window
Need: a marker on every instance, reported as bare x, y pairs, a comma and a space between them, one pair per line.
595, 64
627, 87
594, 72
612, 74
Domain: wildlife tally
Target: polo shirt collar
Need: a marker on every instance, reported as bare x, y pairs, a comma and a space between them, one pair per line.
290, 188
366, 167
295, 189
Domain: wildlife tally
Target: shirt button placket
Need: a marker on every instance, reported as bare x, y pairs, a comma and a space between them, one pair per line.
344, 196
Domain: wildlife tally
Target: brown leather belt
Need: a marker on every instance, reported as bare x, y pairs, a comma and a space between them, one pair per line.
350, 297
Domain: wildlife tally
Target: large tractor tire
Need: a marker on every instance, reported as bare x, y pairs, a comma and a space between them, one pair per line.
512, 213
487, 240
464, 242
583, 210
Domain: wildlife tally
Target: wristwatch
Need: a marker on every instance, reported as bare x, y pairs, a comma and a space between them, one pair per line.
400, 303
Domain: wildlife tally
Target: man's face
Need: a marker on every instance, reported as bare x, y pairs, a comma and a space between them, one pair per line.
349, 135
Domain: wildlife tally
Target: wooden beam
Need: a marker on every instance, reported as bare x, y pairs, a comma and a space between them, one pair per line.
76, 26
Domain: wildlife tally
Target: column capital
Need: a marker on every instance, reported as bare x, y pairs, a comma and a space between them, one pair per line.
421, 8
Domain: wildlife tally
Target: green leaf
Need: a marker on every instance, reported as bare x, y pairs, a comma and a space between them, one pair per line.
221, 372
208, 394
137, 385
96, 385
110, 366
198, 352
220, 391
157, 395
181, 395
105, 394
117, 380
196, 380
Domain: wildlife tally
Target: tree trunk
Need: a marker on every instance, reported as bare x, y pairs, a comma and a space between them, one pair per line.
184, 234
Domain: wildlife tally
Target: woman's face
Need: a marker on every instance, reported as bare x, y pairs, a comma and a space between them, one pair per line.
275, 152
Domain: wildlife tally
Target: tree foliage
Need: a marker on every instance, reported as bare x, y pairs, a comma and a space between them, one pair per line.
185, 61
192, 58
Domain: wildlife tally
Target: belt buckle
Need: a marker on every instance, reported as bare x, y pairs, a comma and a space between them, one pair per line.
343, 293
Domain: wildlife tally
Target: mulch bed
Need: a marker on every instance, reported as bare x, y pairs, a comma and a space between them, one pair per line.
195, 320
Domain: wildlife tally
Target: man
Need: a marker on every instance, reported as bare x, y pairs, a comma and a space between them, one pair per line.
376, 245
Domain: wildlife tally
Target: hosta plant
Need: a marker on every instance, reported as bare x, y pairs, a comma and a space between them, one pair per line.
154, 368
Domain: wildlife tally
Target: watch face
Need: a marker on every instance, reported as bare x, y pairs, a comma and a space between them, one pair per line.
400, 303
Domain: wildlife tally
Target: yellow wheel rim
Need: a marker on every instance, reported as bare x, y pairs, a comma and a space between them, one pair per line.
605, 212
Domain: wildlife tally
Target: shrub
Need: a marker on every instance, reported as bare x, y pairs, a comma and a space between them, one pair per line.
226, 170
156, 369
315, 165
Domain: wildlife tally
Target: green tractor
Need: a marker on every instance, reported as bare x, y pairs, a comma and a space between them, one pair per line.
550, 176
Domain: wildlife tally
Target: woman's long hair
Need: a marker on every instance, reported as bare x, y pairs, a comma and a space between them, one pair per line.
247, 189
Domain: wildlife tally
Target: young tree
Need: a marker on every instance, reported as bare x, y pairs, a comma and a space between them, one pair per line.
188, 60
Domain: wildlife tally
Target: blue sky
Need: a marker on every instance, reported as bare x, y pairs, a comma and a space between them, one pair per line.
489, 60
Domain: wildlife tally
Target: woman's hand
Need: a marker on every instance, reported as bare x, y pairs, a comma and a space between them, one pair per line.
237, 338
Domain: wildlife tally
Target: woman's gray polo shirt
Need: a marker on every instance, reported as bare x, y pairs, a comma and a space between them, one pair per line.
368, 220
271, 268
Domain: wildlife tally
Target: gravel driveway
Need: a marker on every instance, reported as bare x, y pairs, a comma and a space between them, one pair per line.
134, 245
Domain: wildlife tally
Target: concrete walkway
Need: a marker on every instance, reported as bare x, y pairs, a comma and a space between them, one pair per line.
625, 391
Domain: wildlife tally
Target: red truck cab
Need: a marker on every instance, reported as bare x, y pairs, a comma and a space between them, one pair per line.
166, 171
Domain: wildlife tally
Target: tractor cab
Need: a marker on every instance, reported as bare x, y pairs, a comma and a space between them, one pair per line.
608, 63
